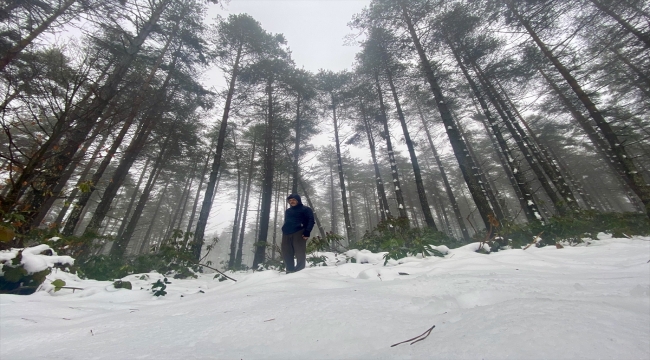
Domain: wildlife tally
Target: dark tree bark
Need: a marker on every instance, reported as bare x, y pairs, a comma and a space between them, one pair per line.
119, 246
349, 230
526, 199
296, 149
600, 144
82, 178
632, 176
422, 195
23, 43
381, 192
445, 180
85, 117
644, 38
147, 237
466, 164
209, 192
242, 230
401, 208
267, 180
134, 196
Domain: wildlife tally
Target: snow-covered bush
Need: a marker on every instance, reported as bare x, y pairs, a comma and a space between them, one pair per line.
22, 271
398, 240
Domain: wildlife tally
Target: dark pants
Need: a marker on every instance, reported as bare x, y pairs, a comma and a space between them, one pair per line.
294, 245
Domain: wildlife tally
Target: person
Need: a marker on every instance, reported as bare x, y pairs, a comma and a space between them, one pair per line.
298, 223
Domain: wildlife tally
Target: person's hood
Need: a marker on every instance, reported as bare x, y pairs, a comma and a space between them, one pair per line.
295, 196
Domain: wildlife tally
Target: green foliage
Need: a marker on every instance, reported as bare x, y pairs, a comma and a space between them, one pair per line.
574, 227
16, 280
396, 237
119, 284
317, 260
58, 284
171, 258
159, 287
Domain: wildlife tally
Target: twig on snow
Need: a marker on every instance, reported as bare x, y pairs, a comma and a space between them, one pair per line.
419, 337
228, 277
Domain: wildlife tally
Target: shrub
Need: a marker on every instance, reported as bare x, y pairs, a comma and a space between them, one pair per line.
574, 227
396, 237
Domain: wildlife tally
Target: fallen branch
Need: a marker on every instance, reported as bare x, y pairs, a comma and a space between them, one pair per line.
226, 276
419, 337
534, 241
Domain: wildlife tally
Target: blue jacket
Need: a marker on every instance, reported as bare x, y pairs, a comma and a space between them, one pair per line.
299, 217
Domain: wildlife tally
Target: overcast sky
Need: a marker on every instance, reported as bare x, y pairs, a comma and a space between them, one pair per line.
314, 29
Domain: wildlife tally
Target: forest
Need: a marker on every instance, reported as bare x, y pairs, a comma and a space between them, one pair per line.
459, 121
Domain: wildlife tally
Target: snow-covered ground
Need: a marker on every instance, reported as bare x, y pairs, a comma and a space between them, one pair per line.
585, 302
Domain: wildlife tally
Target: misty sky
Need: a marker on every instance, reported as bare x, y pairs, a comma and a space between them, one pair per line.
314, 29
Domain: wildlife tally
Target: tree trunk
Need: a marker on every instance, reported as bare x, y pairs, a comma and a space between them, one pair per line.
209, 191
198, 194
22, 44
296, 150
465, 162
401, 209
119, 246
381, 192
147, 236
597, 141
445, 179
134, 196
333, 217
526, 199
267, 180
422, 195
633, 176
624, 24
86, 117
339, 162
82, 178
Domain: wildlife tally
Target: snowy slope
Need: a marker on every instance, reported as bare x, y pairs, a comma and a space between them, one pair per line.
587, 302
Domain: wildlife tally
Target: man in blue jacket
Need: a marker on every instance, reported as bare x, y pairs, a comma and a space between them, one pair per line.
298, 222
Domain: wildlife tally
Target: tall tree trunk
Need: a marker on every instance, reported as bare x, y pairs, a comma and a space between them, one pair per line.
333, 217
147, 236
209, 191
525, 193
275, 218
82, 178
339, 162
86, 117
296, 150
22, 44
240, 216
198, 194
540, 165
624, 24
522, 145
445, 179
267, 180
381, 192
235, 224
600, 144
459, 147
633, 177
119, 246
422, 195
126, 217
399, 196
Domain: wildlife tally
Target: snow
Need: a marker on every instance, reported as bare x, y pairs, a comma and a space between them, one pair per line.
32, 259
584, 302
